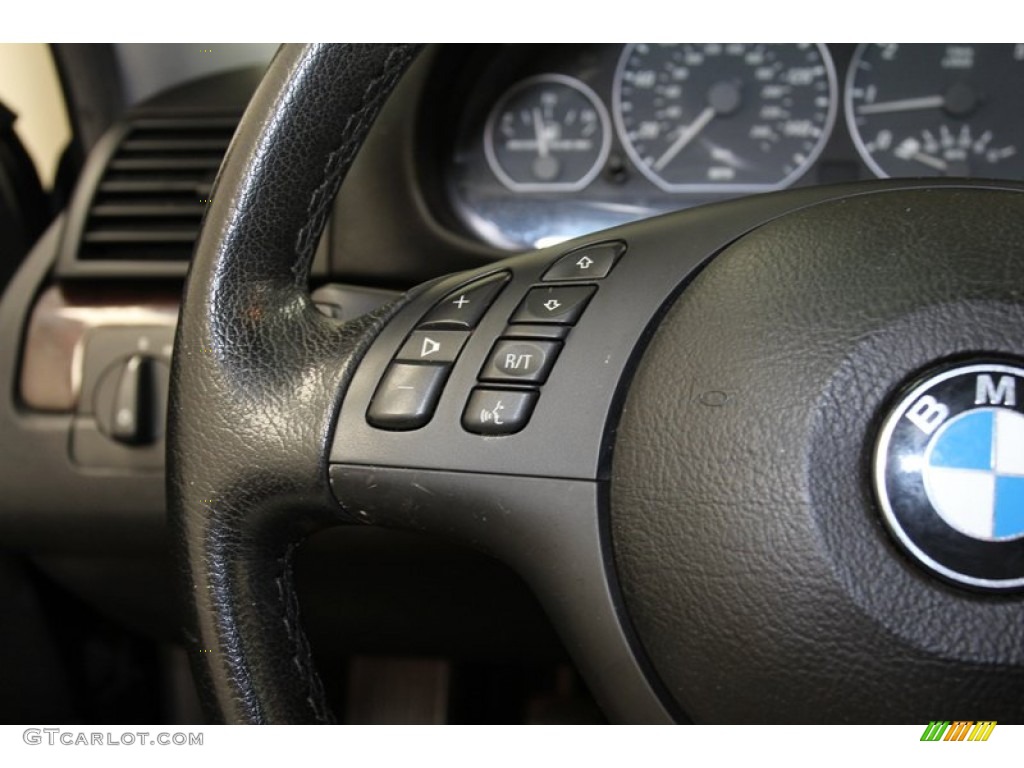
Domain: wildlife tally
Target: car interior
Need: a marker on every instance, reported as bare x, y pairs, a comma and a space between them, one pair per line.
502, 383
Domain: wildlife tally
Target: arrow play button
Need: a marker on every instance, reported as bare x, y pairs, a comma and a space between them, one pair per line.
432, 346
429, 347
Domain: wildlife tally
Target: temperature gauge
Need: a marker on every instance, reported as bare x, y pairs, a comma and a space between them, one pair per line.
549, 133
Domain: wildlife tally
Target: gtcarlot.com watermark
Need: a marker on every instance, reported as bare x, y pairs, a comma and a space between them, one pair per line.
59, 736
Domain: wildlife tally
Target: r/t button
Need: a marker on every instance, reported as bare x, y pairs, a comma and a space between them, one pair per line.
524, 361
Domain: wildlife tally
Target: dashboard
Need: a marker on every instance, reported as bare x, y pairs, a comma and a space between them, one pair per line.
552, 142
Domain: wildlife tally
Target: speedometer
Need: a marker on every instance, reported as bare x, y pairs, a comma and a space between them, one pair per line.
724, 117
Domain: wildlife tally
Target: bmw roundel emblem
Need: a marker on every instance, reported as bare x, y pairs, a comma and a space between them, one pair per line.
949, 474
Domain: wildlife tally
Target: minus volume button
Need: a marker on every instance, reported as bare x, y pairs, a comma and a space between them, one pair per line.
407, 396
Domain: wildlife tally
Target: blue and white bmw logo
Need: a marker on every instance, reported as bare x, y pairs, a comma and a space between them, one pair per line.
949, 474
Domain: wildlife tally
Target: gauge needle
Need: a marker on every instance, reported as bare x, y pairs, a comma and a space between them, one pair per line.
910, 149
540, 133
902, 105
685, 137
934, 162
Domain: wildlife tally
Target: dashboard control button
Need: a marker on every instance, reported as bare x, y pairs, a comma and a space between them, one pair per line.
432, 346
131, 400
498, 412
523, 361
464, 308
407, 396
106, 345
562, 305
590, 263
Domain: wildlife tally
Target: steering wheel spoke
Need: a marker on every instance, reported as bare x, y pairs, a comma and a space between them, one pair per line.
550, 531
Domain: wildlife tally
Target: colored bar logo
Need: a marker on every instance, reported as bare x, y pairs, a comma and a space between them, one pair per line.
958, 730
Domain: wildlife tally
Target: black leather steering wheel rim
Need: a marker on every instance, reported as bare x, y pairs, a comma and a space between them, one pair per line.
260, 360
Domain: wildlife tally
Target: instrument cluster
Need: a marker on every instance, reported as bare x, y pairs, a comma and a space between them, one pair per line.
559, 141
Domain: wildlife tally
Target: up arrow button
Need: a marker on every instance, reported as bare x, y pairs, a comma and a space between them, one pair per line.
591, 262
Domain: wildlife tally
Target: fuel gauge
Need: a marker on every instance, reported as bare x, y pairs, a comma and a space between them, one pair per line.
549, 133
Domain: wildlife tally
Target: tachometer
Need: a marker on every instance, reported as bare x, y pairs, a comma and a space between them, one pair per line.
548, 133
724, 117
939, 109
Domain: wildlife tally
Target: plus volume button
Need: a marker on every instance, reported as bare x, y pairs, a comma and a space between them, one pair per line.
463, 308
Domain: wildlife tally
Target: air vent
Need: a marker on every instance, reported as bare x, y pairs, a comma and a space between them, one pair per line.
149, 199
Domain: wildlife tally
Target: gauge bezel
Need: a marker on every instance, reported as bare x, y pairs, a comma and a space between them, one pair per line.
851, 123
543, 186
705, 188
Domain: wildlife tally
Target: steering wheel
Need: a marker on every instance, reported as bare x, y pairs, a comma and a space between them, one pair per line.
694, 436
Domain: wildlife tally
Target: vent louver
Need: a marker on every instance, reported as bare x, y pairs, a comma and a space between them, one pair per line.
150, 199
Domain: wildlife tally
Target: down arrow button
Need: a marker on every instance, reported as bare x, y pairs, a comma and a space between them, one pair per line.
559, 304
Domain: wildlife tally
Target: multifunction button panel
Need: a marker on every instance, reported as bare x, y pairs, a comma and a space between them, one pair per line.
408, 393
520, 359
